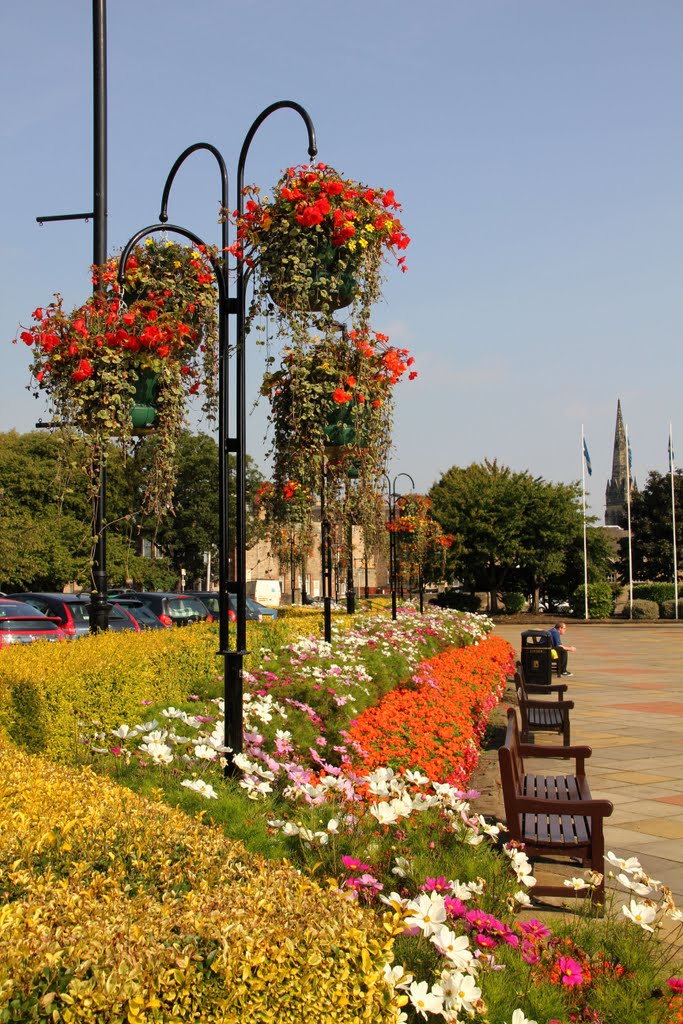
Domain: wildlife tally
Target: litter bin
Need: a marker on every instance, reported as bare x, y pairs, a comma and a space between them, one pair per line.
537, 658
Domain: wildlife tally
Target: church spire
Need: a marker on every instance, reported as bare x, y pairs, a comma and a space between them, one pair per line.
615, 494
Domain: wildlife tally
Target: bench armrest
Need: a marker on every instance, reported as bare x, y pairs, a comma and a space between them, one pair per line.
586, 808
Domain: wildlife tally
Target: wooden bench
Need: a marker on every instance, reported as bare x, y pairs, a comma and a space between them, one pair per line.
543, 715
552, 814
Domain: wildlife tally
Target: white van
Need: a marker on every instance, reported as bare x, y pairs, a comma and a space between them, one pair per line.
265, 592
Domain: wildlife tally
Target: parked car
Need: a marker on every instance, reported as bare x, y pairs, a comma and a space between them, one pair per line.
73, 614
255, 611
143, 616
171, 609
263, 611
21, 623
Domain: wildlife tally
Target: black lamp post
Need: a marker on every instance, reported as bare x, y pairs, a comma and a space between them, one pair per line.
227, 306
393, 550
99, 607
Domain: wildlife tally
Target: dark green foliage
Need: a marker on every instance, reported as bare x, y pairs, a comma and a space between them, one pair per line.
600, 600
459, 600
507, 524
667, 609
513, 601
651, 528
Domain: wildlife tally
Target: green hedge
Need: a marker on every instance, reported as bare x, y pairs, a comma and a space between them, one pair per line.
45, 689
658, 592
600, 600
667, 609
642, 610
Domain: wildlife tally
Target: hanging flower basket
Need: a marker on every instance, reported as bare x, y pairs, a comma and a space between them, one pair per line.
117, 366
331, 286
143, 411
318, 244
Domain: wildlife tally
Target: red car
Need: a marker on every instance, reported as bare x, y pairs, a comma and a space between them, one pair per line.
20, 623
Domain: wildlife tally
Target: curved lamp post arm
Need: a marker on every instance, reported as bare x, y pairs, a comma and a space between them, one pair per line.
412, 482
240, 386
280, 105
199, 146
218, 267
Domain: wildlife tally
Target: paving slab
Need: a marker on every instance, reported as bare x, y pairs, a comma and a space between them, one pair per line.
627, 688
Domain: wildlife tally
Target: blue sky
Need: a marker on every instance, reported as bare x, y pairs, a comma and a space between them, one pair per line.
536, 146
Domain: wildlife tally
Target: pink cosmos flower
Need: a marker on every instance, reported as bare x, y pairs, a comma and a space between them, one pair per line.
571, 971
675, 984
439, 884
534, 929
530, 954
352, 864
454, 906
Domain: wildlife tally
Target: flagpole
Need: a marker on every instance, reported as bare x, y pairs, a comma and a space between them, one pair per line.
585, 545
628, 515
673, 518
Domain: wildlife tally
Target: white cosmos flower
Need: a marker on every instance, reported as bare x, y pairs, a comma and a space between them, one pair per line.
630, 865
522, 898
204, 753
519, 1018
157, 752
575, 883
244, 763
402, 868
394, 900
455, 947
423, 1000
428, 913
124, 732
460, 890
676, 914
201, 787
630, 883
384, 812
640, 913
397, 976
465, 992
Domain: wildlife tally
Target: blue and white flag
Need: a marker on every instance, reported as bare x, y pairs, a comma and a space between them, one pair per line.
671, 455
630, 457
587, 458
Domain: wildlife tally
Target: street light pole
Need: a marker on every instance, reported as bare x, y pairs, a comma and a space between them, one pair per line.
227, 306
99, 608
393, 553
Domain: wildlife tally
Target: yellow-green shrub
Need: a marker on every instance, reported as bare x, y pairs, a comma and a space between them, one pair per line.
46, 689
122, 910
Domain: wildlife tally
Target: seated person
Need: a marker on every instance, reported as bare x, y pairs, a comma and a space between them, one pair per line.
556, 638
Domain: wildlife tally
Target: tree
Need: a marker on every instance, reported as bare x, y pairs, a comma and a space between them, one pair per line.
651, 528
508, 525
46, 513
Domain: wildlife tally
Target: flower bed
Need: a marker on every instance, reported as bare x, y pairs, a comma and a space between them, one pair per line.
438, 724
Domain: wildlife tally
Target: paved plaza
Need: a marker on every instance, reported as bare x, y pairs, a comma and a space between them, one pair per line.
627, 688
